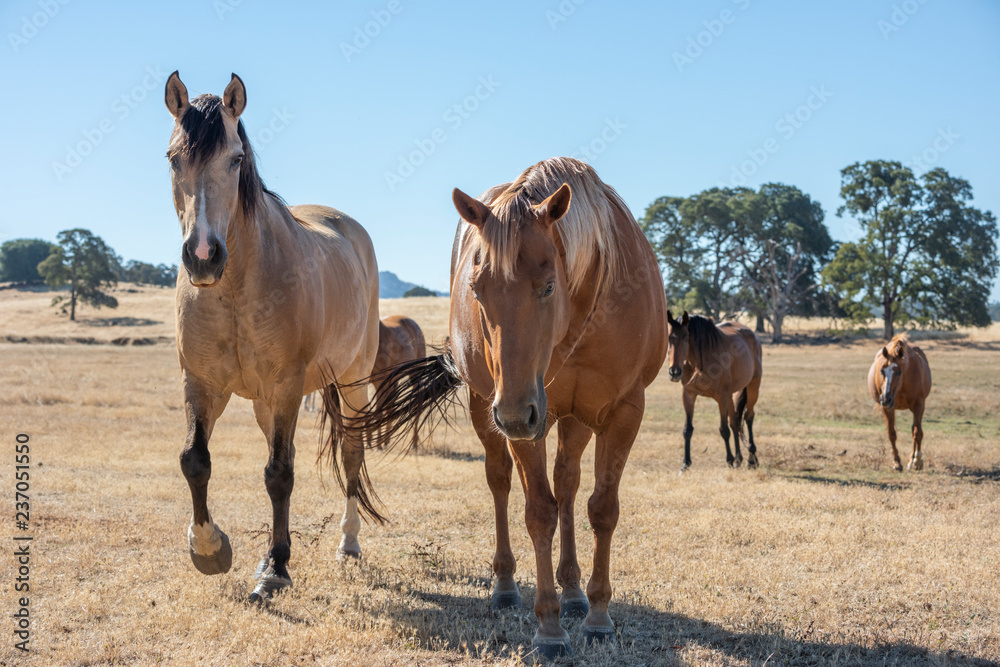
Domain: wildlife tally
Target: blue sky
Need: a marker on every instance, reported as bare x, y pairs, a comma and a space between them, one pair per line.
380, 108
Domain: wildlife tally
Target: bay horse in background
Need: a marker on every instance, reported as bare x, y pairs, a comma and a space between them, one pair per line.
557, 312
722, 362
399, 339
900, 379
272, 303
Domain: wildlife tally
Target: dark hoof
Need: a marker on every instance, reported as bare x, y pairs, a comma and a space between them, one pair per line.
505, 600
268, 585
598, 635
752, 461
217, 563
575, 608
552, 650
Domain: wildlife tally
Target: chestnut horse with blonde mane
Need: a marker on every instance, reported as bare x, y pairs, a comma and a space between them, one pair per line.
900, 379
272, 303
722, 362
557, 318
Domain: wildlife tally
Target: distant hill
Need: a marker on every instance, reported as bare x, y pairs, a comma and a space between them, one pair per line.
391, 287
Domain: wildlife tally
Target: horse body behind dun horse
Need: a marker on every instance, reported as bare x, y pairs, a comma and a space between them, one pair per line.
722, 362
900, 379
272, 303
557, 317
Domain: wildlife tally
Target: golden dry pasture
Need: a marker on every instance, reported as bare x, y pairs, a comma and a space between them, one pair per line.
824, 555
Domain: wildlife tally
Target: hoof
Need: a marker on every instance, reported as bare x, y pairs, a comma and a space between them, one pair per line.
217, 563
684, 468
598, 635
551, 650
752, 461
575, 608
505, 600
346, 555
898, 467
268, 585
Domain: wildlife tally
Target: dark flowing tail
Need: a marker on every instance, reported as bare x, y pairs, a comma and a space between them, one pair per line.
741, 408
412, 397
331, 449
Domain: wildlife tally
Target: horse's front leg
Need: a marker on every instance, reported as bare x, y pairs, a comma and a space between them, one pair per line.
689, 398
573, 439
725, 407
541, 517
890, 426
614, 443
917, 459
498, 472
277, 416
209, 547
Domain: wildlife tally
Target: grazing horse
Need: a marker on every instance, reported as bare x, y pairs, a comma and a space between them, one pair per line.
721, 362
557, 314
900, 379
273, 302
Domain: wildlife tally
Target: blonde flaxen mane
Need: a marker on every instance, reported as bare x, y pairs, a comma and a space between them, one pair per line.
587, 230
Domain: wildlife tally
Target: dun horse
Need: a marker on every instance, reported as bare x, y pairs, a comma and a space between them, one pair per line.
900, 379
557, 312
273, 302
721, 362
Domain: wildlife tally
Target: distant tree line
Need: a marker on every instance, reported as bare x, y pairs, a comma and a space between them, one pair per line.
81, 262
925, 257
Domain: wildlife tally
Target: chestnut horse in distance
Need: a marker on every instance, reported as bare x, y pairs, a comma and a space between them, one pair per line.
900, 379
722, 362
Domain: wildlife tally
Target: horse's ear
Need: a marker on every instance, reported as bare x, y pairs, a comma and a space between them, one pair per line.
670, 317
176, 96
471, 209
899, 351
885, 353
235, 96
685, 319
556, 205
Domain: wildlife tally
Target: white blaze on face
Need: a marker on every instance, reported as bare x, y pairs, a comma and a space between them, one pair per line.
205, 539
201, 227
889, 369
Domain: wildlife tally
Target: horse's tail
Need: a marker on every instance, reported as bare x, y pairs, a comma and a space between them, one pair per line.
332, 449
412, 397
741, 407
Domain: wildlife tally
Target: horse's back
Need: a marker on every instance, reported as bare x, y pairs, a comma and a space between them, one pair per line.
923, 372
749, 350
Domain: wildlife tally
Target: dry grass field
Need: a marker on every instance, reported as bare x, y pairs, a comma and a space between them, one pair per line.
823, 556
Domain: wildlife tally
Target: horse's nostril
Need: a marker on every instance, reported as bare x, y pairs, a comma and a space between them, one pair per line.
532, 416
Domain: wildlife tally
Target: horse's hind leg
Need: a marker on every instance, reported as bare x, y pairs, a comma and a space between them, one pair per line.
753, 391
209, 547
890, 425
613, 446
917, 459
353, 451
499, 466
573, 439
277, 419
725, 408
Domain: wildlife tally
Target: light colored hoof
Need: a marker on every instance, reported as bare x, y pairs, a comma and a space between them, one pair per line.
261, 567
344, 555
217, 563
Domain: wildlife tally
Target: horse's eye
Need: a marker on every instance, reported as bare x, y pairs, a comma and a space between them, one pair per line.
237, 161
547, 291
475, 294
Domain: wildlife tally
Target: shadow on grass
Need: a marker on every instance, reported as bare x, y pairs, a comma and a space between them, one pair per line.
974, 475
464, 625
119, 322
881, 486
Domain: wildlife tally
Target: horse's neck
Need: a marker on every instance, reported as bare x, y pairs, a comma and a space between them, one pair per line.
249, 238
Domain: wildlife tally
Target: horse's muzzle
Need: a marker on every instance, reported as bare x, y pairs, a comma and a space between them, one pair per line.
204, 272
675, 373
523, 420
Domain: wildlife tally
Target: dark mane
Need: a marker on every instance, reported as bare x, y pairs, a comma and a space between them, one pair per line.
705, 339
201, 133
